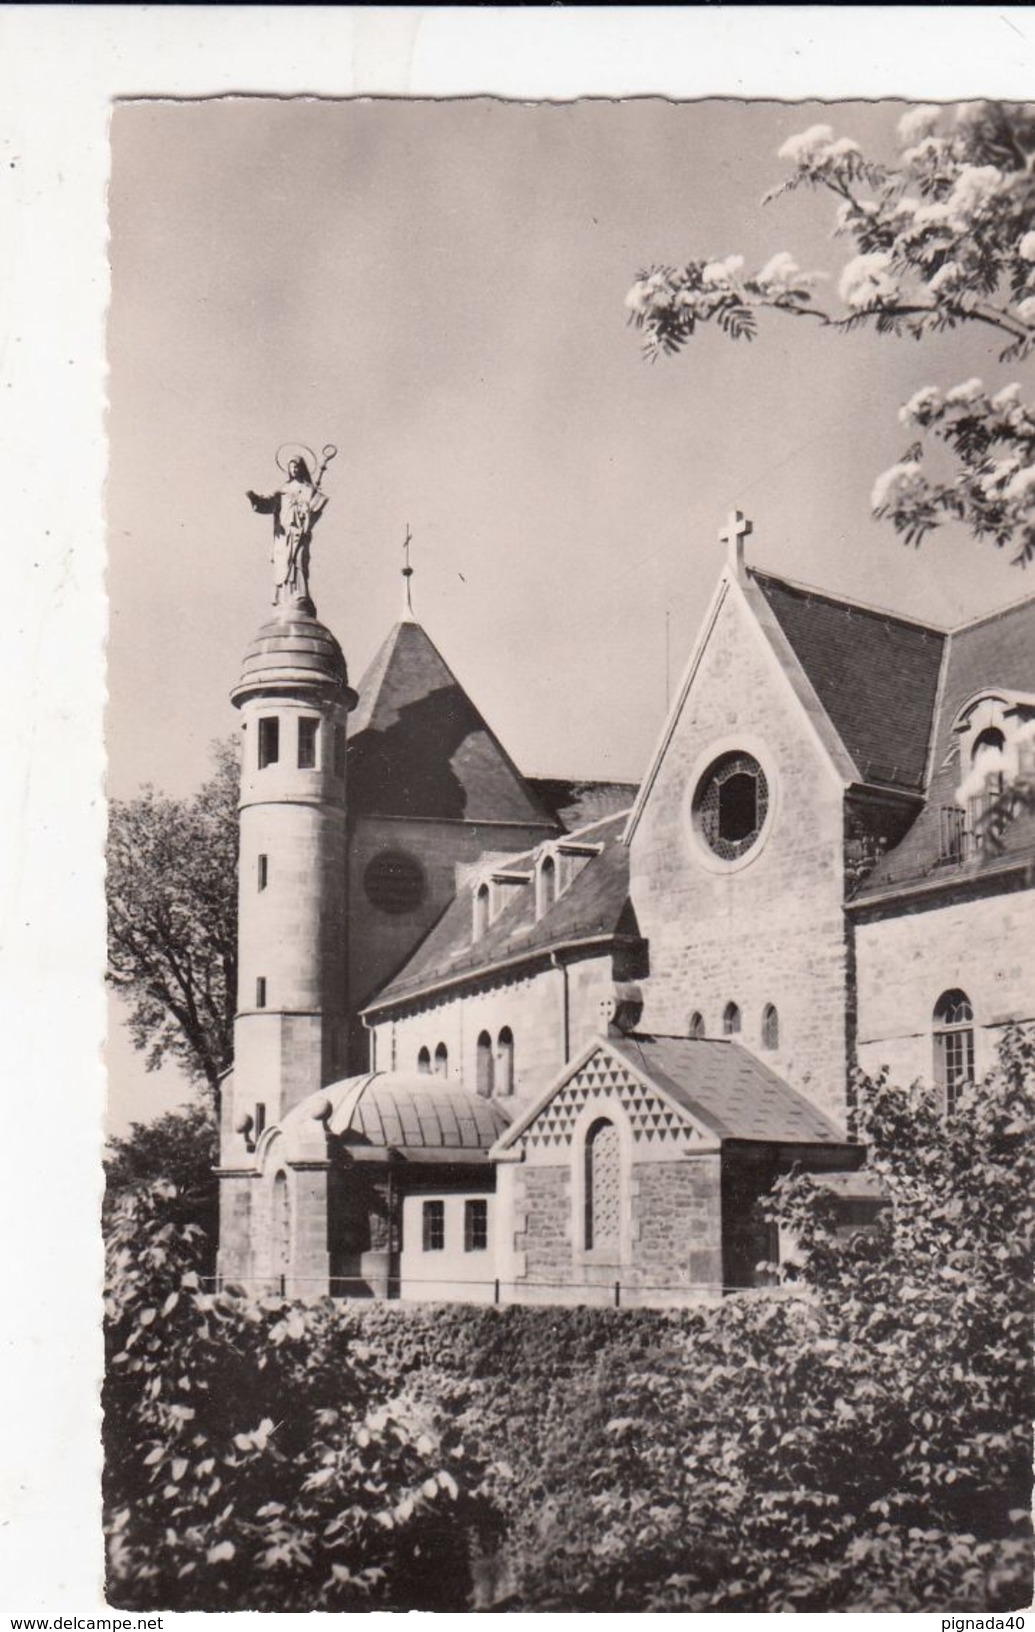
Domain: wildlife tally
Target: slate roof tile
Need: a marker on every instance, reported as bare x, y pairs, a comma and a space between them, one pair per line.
876, 676
732, 1092
595, 903
419, 747
995, 652
576, 803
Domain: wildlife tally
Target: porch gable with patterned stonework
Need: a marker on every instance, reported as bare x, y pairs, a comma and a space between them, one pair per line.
659, 1129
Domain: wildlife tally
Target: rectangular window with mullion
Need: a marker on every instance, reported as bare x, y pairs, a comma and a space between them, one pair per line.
434, 1221
476, 1225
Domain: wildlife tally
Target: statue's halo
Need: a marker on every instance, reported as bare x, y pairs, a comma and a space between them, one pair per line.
297, 450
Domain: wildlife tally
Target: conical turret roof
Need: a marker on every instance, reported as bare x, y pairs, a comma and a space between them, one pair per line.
419, 747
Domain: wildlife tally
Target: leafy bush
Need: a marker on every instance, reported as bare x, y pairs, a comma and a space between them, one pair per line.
257, 1455
860, 1443
855, 1440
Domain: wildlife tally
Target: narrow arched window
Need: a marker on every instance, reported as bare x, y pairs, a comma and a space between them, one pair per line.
481, 911
603, 1186
547, 885
505, 1062
424, 1062
730, 1020
695, 1026
484, 1065
953, 1046
441, 1060
770, 1027
281, 1225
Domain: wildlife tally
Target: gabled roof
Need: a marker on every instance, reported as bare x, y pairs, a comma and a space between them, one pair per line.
876, 676
996, 653
723, 1088
418, 746
594, 906
723, 1085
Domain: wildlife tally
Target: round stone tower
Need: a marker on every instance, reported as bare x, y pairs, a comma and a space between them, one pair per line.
291, 1023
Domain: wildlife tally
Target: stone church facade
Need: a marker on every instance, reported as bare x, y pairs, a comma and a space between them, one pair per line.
504, 1038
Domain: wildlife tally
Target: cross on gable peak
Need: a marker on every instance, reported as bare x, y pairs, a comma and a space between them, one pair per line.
407, 574
736, 530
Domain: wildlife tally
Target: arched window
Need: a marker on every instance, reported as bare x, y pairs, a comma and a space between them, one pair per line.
603, 1187
695, 1027
485, 1065
281, 1222
424, 1062
441, 1060
953, 1045
546, 885
505, 1062
770, 1027
481, 911
730, 1020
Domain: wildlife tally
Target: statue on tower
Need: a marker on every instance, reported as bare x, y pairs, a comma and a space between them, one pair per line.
296, 508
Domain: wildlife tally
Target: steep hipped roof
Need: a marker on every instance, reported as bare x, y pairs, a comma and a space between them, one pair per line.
726, 1091
876, 676
419, 747
595, 904
994, 653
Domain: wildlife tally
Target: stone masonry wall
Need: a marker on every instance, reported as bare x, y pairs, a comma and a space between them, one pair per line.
771, 928
905, 963
677, 1225
532, 1006
542, 1223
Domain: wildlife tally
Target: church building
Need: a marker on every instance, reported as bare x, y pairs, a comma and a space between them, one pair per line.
503, 1038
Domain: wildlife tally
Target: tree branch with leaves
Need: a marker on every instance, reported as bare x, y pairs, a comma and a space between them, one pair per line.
172, 921
943, 237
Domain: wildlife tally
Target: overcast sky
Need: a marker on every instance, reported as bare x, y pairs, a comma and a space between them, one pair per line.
437, 288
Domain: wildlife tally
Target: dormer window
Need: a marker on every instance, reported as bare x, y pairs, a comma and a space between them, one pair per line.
493, 891
545, 884
481, 911
996, 747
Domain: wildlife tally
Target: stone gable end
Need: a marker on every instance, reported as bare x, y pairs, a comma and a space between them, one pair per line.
658, 1129
768, 930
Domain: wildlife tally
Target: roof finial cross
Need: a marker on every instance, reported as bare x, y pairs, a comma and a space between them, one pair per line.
736, 530
407, 571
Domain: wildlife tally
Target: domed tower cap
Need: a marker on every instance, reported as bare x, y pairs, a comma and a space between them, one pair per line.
293, 651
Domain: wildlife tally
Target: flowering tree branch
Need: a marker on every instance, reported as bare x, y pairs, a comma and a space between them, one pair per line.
942, 238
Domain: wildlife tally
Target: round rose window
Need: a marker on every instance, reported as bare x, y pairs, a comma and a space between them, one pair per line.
394, 882
730, 805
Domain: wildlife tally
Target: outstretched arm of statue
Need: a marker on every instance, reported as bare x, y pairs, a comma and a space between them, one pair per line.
265, 506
